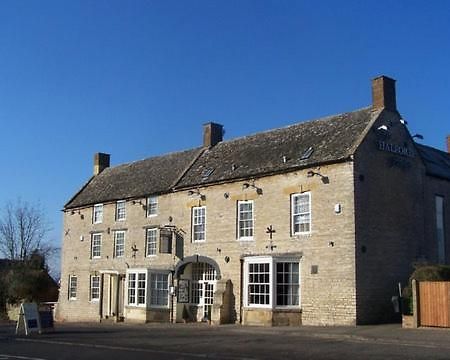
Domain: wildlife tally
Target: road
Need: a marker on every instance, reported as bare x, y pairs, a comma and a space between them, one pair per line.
231, 342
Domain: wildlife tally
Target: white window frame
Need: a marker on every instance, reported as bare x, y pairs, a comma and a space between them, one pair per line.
156, 289
289, 284
252, 261
152, 206
73, 288
121, 210
299, 214
272, 261
136, 287
239, 220
198, 220
97, 214
119, 247
154, 232
94, 246
96, 288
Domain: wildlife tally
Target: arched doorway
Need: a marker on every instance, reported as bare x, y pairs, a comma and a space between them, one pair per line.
197, 277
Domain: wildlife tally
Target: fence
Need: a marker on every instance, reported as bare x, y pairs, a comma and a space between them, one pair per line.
432, 303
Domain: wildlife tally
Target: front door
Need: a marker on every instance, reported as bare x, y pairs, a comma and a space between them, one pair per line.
202, 290
112, 296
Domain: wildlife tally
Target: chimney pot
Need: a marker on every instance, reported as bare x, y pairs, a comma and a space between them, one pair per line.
383, 93
212, 134
101, 162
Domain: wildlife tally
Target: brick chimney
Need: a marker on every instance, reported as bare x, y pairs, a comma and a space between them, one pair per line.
101, 162
448, 144
212, 134
383, 93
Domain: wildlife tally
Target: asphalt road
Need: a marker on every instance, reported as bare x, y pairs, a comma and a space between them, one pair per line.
233, 342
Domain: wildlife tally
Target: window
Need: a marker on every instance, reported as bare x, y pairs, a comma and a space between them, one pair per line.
95, 288
301, 213
119, 243
152, 206
97, 214
121, 212
150, 248
72, 287
440, 235
96, 246
259, 284
271, 282
165, 241
245, 220
136, 285
198, 223
287, 284
159, 293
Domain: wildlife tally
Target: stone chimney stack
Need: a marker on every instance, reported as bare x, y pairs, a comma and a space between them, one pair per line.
212, 134
101, 162
448, 144
383, 93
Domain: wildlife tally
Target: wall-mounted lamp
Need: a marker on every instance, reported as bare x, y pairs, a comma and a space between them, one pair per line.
139, 202
324, 178
196, 192
417, 136
73, 212
246, 185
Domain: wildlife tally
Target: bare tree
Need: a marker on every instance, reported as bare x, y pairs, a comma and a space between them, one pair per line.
23, 231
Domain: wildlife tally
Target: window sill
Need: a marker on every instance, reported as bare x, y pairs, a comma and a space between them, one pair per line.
244, 239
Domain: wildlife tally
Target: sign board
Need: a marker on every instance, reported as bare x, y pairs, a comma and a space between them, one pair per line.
29, 320
183, 291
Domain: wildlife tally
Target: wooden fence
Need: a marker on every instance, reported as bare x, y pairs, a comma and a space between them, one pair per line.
434, 303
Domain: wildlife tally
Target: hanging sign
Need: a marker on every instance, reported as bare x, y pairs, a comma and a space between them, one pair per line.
28, 321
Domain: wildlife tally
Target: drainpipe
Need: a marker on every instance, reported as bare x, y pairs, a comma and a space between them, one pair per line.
241, 296
172, 295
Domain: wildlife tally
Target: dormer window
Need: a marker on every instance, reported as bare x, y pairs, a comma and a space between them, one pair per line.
152, 206
97, 214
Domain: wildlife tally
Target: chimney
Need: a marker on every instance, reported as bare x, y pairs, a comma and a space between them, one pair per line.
212, 134
448, 144
101, 162
383, 93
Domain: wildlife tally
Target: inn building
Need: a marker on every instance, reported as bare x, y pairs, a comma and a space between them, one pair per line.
314, 223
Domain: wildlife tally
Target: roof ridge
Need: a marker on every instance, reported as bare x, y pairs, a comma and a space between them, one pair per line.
153, 157
309, 121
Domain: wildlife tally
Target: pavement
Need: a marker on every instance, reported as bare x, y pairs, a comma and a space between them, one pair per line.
226, 342
384, 333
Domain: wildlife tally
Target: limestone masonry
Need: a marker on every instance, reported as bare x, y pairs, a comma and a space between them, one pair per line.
315, 223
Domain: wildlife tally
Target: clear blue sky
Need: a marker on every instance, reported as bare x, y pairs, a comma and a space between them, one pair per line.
139, 78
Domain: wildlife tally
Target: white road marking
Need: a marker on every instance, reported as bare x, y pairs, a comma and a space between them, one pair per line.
6, 357
123, 348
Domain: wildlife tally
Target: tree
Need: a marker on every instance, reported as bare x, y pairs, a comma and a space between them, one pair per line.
23, 230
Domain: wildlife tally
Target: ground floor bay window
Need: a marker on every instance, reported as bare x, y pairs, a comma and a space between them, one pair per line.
271, 284
147, 294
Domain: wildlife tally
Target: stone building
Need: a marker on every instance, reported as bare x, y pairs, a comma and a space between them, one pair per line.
314, 223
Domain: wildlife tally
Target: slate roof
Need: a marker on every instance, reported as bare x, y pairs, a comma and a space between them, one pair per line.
302, 145
437, 162
329, 139
154, 175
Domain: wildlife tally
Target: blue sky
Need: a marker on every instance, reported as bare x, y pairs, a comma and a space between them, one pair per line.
139, 78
